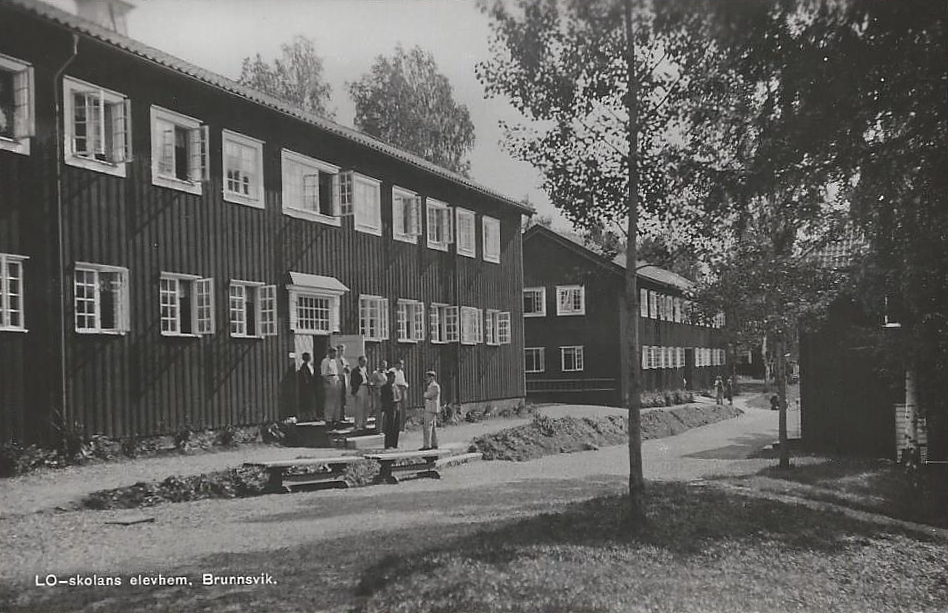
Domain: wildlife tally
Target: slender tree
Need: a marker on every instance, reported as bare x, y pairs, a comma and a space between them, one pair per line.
406, 101
296, 77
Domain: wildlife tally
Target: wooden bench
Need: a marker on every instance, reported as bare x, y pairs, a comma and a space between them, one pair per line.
425, 466
281, 482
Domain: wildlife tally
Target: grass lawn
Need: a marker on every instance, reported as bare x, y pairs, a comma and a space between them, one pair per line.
705, 550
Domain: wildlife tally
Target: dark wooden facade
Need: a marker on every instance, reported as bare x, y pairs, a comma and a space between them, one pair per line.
143, 383
552, 260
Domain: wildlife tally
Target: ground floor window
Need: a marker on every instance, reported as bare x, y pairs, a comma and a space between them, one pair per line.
11, 292
571, 359
534, 359
187, 305
252, 308
100, 299
411, 321
373, 318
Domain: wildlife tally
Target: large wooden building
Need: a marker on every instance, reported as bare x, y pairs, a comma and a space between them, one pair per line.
171, 242
573, 317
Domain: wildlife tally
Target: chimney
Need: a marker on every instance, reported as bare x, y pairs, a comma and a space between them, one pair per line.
110, 14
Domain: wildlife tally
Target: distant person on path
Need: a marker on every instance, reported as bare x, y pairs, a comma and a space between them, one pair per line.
359, 390
390, 410
332, 383
401, 382
775, 403
729, 390
719, 390
377, 379
432, 406
344, 374
306, 387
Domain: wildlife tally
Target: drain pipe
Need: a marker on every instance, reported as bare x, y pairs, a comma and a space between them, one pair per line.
59, 154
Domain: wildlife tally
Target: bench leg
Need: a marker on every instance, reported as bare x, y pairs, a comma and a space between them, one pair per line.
385, 474
275, 483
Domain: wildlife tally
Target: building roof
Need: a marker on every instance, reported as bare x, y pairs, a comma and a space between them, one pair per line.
842, 252
616, 264
97, 32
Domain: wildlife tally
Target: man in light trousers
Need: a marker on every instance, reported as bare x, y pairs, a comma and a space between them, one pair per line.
432, 406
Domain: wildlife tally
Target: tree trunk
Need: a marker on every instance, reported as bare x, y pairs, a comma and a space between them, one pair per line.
780, 362
631, 368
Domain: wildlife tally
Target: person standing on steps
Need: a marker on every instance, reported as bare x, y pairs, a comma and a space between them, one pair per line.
390, 410
377, 379
359, 390
432, 406
332, 384
306, 388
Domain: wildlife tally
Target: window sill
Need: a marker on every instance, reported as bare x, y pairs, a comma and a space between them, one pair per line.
21, 146
9, 329
406, 238
492, 260
438, 246
106, 332
535, 314
244, 200
467, 254
578, 314
311, 216
409, 340
368, 230
180, 335
116, 170
176, 184
374, 340
313, 332
495, 345
248, 336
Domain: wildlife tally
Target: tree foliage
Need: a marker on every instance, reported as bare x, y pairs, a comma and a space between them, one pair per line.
296, 77
406, 101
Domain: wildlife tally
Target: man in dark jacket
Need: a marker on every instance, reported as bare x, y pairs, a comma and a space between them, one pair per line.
306, 387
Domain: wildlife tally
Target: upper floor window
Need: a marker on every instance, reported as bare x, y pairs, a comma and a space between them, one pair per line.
411, 321
187, 305
466, 239
534, 302
571, 359
443, 323
534, 359
243, 169
101, 298
310, 188
252, 308
570, 300
17, 105
98, 125
179, 151
491, 230
440, 225
653, 305
11, 293
406, 215
676, 310
472, 326
360, 196
643, 303
373, 318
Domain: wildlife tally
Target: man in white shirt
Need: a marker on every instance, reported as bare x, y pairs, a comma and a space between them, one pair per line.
333, 386
401, 384
432, 406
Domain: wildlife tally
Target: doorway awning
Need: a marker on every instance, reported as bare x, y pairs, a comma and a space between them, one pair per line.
303, 282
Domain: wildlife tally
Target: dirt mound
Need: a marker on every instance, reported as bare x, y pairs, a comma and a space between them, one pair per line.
548, 436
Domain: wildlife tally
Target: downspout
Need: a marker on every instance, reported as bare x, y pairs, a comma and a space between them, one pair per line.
457, 299
59, 155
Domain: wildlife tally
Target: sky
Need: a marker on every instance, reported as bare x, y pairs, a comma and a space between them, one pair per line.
349, 34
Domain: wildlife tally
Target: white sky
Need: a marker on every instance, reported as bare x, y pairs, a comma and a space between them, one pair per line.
349, 34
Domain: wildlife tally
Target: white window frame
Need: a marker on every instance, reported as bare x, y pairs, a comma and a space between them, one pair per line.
119, 132
465, 224
578, 362
652, 304
472, 326
198, 151
24, 106
490, 327
643, 303
367, 216
539, 359
645, 360
541, 291
452, 324
438, 214
264, 318
369, 329
504, 331
406, 215
8, 260
202, 315
255, 198
122, 299
562, 290
676, 310
410, 321
490, 231
293, 201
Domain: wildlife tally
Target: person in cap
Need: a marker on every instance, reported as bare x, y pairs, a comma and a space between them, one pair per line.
432, 406
390, 410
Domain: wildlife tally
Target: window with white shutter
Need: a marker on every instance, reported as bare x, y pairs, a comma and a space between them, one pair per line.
406, 215
491, 230
361, 196
252, 309
186, 305
645, 362
310, 188
643, 303
12, 314
466, 238
100, 299
410, 321
373, 318
503, 328
440, 223
98, 127
17, 105
490, 327
243, 169
179, 151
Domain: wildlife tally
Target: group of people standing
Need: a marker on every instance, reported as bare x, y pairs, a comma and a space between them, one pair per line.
724, 388
354, 390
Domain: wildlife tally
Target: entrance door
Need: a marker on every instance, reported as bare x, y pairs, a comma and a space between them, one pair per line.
310, 405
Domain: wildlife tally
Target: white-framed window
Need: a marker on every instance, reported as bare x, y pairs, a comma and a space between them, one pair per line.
467, 234
571, 358
179, 151
534, 302
186, 304
310, 188
12, 314
503, 328
653, 357
17, 105
645, 360
252, 308
681, 357
440, 224
662, 354
472, 326
100, 299
676, 310
406, 215
490, 227
643, 303
373, 317
443, 323
490, 327
570, 300
243, 169
686, 311
451, 324
410, 321
314, 303
360, 196
652, 305
98, 127
534, 359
